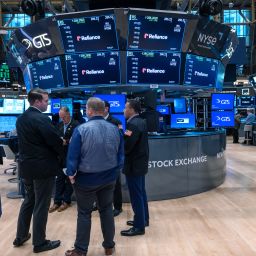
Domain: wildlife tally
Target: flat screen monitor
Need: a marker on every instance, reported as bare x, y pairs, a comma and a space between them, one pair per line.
93, 69
97, 33
67, 102
223, 119
4, 74
155, 33
13, 106
27, 105
116, 101
27, 80
121, 118
7, 123
180, 105
200, 71
163, 110
153, 67
223, 101
245, 101
55, 106
183, 121
46, 74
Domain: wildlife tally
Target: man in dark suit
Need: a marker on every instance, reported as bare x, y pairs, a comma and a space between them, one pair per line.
63, 187
118, 189
135, 167
40, 152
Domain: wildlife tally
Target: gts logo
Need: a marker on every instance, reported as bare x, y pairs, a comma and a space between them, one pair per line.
223, 102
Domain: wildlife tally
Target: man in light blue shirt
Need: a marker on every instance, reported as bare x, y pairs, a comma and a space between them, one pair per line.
250, 117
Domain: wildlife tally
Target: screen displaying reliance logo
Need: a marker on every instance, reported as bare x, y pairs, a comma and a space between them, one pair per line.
183, 121
223, 118
223, 101
116, 101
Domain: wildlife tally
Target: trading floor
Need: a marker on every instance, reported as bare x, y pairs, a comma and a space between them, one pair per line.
219, 222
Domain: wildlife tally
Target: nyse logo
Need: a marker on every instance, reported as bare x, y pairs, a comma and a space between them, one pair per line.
155, 36
152, 71
207, 39
38, 41
114, 104
223, 118
223, 102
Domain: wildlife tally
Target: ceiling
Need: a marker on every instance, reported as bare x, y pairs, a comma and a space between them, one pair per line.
84, 4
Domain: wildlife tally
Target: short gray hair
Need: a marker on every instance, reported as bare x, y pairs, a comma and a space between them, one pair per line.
96, 104
65, 109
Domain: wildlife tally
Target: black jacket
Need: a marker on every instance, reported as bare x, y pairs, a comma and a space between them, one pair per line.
40, 145
67, 136
136, 147
114, 121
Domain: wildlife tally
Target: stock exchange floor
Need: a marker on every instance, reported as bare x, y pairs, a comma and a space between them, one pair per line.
218, 222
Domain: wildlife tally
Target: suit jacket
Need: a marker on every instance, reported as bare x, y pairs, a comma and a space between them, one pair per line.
113, 120
67, 136
40, 145
136, 147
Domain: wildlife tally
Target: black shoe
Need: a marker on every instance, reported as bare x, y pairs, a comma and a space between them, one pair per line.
133, 232
48, 245
19, 242
116, 212
131, 223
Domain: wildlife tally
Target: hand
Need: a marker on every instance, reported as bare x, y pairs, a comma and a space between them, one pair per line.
72, 179
64, 142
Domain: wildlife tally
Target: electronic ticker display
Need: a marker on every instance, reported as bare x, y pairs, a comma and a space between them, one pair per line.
155, 33
97, 33
245, 101
223, 101
93, 68
223, 118
201, 71
4, 74
153, 67
46, 74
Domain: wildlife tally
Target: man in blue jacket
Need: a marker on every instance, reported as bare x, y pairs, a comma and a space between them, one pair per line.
95, 156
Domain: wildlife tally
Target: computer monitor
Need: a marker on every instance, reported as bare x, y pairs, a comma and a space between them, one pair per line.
223, 101
163, 109
121, 118
7, 123
81, 34
153, 67
201, 71
245, 101
93, 68
155, 33
46, 74
67, 102
13, 106
223, 119
116, 101
187, 121
55, 106
180, 105
5, 77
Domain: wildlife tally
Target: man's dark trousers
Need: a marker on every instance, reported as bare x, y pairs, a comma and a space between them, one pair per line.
63, 189
138, 197
118, 194
85, 197
37, 201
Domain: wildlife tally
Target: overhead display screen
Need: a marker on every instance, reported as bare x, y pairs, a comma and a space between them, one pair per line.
223, 118
245, 101
4, 73
200, 71
93, 68
97, 33
36, 42
153, 67
183, 121
223, 101
209, 38
116, 101
155, 33
180, 105
13, 106
46, 74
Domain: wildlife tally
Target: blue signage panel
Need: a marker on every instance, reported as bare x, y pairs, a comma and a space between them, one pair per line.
223, 101
223, 118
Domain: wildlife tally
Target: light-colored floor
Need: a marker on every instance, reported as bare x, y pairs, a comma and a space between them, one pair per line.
221, 222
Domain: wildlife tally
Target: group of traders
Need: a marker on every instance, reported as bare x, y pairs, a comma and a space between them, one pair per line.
86, 158
249, 117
